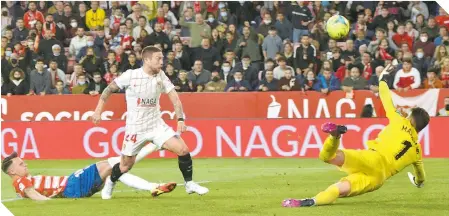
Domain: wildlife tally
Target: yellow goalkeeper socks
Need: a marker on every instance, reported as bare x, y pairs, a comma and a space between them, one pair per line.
328, 196
329, 148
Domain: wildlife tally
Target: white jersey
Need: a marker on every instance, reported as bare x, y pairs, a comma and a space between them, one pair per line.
143, 92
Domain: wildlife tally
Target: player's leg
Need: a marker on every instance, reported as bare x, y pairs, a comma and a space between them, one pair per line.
129, 151
167, 139
330, 153
105, 169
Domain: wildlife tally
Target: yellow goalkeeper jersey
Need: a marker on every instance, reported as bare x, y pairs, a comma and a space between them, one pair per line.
398, 141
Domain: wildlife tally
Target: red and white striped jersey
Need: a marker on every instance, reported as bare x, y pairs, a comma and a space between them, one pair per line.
48, 186
143, 92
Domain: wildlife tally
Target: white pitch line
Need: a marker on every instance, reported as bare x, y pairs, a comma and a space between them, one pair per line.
118, 191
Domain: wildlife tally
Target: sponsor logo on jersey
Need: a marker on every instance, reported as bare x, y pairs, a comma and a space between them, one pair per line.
146, 102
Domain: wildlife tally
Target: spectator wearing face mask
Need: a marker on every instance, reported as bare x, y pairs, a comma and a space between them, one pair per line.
249, 71
225, 71
408, 77
420, 62
6, 19
81, 85
40, 80
211, 21
17, 84
266, 25
60, 89
269, 83
97, 86
425, 44
226, 17
432, 80
238, 84
216, 84
56, 56
327, 82
89, 44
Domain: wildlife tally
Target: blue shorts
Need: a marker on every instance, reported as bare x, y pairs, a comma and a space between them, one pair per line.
83, 183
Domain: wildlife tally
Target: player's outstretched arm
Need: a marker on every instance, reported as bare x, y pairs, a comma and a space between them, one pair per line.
174, 98
34, 195
420, 174
111, 88
384, 93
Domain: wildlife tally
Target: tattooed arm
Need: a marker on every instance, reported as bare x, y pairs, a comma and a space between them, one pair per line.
107, 92
174, 98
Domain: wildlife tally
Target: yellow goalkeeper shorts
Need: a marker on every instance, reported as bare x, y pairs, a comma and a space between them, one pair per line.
366, 170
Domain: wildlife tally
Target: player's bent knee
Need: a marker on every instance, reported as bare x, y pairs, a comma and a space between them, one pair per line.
344, 188
338, 160
184, 151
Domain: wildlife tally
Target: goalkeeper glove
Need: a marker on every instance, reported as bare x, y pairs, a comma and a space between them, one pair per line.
413, 180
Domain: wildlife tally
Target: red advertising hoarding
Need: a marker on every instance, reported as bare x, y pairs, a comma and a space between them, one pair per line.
204, 105
206, 138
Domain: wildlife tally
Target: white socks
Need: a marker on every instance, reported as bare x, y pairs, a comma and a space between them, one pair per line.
137, 182
132, 180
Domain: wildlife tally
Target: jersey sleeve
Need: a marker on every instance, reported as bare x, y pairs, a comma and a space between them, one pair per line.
420, 174
387, 102
21, 184
166, 83
124, 80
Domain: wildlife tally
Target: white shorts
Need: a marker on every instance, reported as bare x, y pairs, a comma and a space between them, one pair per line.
133, 143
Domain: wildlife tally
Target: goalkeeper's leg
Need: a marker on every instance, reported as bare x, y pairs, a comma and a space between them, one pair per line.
329, 153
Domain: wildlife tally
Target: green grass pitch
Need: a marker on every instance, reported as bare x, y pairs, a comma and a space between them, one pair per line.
242, 187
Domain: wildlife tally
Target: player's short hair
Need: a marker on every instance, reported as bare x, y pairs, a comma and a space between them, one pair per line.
6, 163
421, 118
148, 51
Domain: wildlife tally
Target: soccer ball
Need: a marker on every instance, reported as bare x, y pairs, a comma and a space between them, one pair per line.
337, 27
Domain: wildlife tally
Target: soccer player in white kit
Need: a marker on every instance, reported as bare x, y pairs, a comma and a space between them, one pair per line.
144, 123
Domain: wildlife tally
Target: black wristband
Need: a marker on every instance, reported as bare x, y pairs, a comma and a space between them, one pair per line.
181, 119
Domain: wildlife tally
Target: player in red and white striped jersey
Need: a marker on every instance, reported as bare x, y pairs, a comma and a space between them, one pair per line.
83, 183
144, 123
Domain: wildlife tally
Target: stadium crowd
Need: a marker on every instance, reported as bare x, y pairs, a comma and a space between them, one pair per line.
79, 47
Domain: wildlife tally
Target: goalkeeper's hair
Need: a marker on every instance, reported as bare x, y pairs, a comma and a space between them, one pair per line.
6, 163
421, 118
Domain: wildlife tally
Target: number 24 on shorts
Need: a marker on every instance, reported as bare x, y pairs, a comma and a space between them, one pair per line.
131, 138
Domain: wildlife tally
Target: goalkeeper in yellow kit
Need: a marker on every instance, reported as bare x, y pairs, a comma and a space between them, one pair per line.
395, 148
